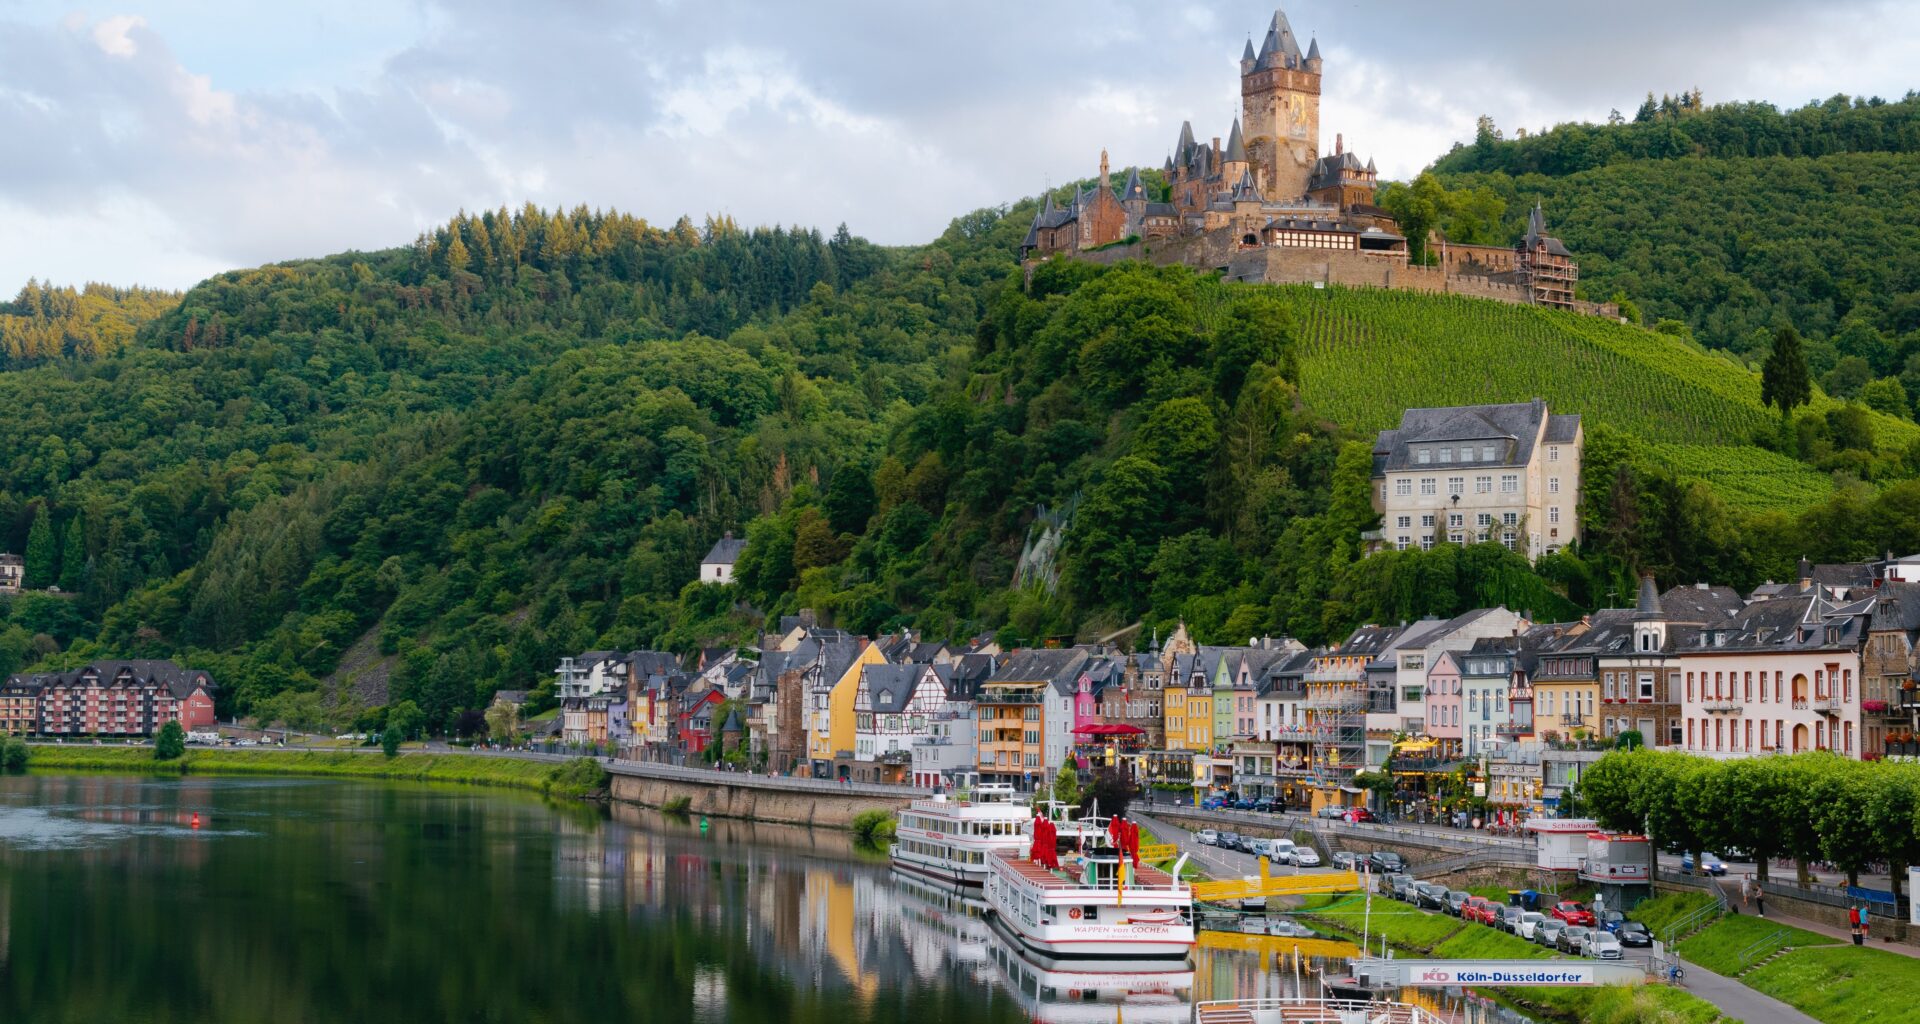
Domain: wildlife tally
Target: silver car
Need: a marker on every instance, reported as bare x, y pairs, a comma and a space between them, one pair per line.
1603, 945
1305, 857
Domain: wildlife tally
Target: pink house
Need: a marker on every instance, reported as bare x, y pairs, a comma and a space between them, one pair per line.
1443, 701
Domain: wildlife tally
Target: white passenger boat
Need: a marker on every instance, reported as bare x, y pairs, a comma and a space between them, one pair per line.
951, 841
1072, 992
1090, 902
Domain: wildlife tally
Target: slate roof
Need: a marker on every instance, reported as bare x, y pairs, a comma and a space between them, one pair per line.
1133, 191
1057, 668
179, 681
1236, 144
1701, 604
510, 696
890, 687
1537, 234
1279, 48
1368, 641
1511, 428
726, 551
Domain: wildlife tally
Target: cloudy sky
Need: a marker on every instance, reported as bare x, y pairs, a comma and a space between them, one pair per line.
159, 142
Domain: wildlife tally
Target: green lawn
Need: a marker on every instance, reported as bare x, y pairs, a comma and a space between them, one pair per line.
1659, 913
1488, 943
1843, 985
1402, 924
1646, 1004
1718, 948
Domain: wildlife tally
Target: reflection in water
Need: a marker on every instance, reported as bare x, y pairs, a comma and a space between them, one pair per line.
373, 902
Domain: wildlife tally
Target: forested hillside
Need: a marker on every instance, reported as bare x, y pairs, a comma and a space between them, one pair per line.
426, 473
1736, 219
44, 323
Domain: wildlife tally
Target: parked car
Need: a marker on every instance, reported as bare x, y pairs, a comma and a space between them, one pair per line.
1243, 804
1331, 811
1403, 887
1604, 946
1207, 837
1634, 934
1305, 857
1573, 913
1356, 815
1710, 863
1345, 860
1529, 922
1388, 885
1280, 851
1384, 861
1509, 919
1547, 933
1228, 841
1429, 895
1264, 805
1574, 939
1477, 909
1457, 898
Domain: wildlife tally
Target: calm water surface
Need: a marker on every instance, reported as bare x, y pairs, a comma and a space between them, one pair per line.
297, 900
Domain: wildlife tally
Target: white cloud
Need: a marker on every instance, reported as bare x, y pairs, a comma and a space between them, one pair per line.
174, 138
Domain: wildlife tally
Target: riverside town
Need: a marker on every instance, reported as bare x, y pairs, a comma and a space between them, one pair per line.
1414, 522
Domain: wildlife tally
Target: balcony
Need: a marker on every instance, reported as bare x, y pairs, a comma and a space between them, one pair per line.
1827, 705
990, 697
1726, 704
1349, 701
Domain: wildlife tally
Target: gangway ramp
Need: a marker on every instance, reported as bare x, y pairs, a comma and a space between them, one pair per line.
1270, 884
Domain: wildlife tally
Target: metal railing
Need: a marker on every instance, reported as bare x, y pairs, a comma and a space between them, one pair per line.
647, 770
1748, 955
1307, 1010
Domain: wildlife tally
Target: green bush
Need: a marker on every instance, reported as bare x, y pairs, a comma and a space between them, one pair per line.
873, 827
677, 805
578, 777
13, 753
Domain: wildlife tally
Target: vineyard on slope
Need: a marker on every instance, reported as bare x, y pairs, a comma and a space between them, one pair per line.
1367, 354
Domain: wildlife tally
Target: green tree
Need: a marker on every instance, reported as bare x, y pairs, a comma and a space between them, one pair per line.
1066, 785
13, 753
42, 555
849, 501
1886, 395
1784, 382
1418, 208
170, 742
390, 741
73, 556
503, 721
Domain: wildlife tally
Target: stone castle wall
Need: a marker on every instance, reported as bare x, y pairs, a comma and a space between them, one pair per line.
1220, 250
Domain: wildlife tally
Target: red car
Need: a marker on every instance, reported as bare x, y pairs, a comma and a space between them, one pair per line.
1573, 913
1478, 909
1357, 815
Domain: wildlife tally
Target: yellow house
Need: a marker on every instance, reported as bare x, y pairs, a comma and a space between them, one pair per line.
1173, 714
830, 732
1187, 707
1566, 689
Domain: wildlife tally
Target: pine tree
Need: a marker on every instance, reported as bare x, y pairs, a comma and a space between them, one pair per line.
41, 551
1783, 377
456, 255
73, 556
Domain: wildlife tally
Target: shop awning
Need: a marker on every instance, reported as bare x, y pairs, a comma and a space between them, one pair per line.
1117, 729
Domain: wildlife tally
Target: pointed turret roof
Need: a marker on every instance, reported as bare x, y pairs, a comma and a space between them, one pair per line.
1244, 188
1185, 144
1370, 167
1236, 146
1648, 607
1133, 189
1169, 167
1313, 50
1279, 47
1247, 54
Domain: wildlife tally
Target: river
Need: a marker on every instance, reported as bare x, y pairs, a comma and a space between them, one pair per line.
213, 900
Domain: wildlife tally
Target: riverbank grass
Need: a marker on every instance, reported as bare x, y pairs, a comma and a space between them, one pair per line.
1839, 984
1661, 912
1718, 948
573, 779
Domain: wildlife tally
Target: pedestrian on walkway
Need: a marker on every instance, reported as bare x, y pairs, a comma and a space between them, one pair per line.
1759, 901
1746, 889
1853, 924
1866, 919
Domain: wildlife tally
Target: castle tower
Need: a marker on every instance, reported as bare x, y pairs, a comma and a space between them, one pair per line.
1280, 105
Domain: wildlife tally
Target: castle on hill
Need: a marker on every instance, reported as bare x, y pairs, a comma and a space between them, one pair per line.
1267, 206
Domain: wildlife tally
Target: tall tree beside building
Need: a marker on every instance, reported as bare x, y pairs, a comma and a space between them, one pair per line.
170, 742
41, 552
1783, 377
73, 556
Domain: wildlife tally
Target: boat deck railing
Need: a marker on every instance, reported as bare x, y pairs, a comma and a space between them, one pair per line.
1309, 1011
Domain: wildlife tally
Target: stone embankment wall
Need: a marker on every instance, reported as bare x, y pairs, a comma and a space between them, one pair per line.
754, 797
